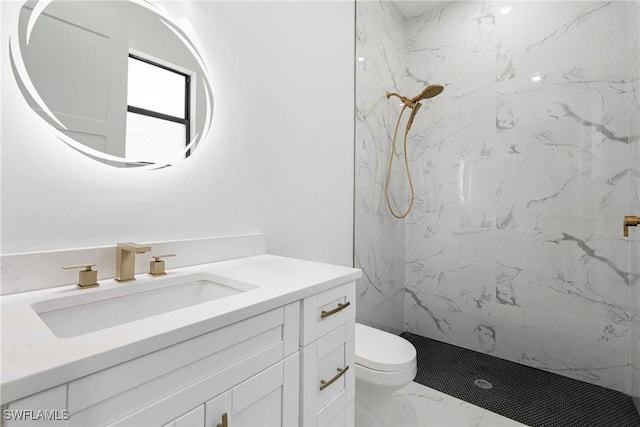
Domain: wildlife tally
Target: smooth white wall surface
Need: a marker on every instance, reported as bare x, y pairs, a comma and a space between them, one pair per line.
278, 160
306, 107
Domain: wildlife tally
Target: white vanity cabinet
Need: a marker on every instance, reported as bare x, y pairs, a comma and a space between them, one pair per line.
327, 338
288, 366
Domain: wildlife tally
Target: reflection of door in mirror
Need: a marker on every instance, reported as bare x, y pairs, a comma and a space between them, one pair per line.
86, 76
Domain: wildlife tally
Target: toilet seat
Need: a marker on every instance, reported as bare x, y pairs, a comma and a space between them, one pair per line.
382, 351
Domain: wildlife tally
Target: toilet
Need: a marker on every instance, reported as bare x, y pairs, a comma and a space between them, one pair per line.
384, 364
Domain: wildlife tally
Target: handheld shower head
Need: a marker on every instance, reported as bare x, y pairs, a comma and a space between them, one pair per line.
414, 111
414, 103
428, 92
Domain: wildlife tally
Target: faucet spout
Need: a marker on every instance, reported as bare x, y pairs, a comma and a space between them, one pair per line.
126, 260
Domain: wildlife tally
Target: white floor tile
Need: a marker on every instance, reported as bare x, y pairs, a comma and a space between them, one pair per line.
491, 419
417, 405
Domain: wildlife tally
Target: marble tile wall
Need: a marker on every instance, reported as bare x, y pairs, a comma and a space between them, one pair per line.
379, 239
633, 28
524, 167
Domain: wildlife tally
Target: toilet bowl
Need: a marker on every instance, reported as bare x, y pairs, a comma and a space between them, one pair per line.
384, 364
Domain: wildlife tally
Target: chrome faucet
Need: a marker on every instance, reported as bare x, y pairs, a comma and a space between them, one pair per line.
126, 260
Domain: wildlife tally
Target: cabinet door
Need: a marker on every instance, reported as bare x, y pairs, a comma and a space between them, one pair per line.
217, 409
257, 401
266, 399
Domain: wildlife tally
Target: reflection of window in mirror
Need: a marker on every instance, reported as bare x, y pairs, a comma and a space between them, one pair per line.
158, 111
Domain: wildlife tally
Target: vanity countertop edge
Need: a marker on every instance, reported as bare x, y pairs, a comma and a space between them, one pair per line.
33, 359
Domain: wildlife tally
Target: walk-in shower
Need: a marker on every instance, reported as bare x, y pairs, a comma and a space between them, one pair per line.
523, 172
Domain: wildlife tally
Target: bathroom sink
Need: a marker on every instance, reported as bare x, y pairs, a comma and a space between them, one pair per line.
88, 312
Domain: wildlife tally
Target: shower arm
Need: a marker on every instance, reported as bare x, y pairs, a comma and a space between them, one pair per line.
408, 102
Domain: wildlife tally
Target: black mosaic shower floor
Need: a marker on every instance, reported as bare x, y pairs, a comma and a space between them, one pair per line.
528, 395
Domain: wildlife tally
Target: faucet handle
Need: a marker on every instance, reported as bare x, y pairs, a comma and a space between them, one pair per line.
157, 257
87, 278
629, 221
156, 267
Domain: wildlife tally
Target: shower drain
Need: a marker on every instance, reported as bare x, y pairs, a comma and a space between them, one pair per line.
483, 384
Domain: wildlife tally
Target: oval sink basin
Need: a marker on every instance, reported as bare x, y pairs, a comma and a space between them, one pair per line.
100, 309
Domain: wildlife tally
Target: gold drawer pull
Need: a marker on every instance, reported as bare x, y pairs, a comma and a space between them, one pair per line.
225, 422
324, 384
340, 306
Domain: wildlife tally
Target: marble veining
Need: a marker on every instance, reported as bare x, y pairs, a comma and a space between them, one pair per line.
523, 169
379, 241
417, 405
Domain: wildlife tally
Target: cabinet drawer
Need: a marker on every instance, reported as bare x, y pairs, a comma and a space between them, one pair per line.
328, 371
326, 311
337, 413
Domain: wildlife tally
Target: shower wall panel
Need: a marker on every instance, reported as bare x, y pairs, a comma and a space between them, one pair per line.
379, 240
523, 170
633, 38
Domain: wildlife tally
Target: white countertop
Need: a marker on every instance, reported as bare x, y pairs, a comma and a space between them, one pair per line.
34, 359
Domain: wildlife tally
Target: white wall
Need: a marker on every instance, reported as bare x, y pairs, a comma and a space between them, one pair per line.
279, 159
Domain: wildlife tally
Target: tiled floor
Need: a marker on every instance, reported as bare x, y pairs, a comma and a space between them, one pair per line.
417, 405
528, 395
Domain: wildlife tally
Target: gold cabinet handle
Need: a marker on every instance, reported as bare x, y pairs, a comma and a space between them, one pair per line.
324, 384
225, 421
629, 221
340, 307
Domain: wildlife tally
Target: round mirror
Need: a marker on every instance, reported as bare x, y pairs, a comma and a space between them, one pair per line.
116, 80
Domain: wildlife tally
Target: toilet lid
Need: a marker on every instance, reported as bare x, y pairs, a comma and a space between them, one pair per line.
382, 351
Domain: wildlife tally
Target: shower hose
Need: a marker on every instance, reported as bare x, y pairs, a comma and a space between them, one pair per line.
406, 164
